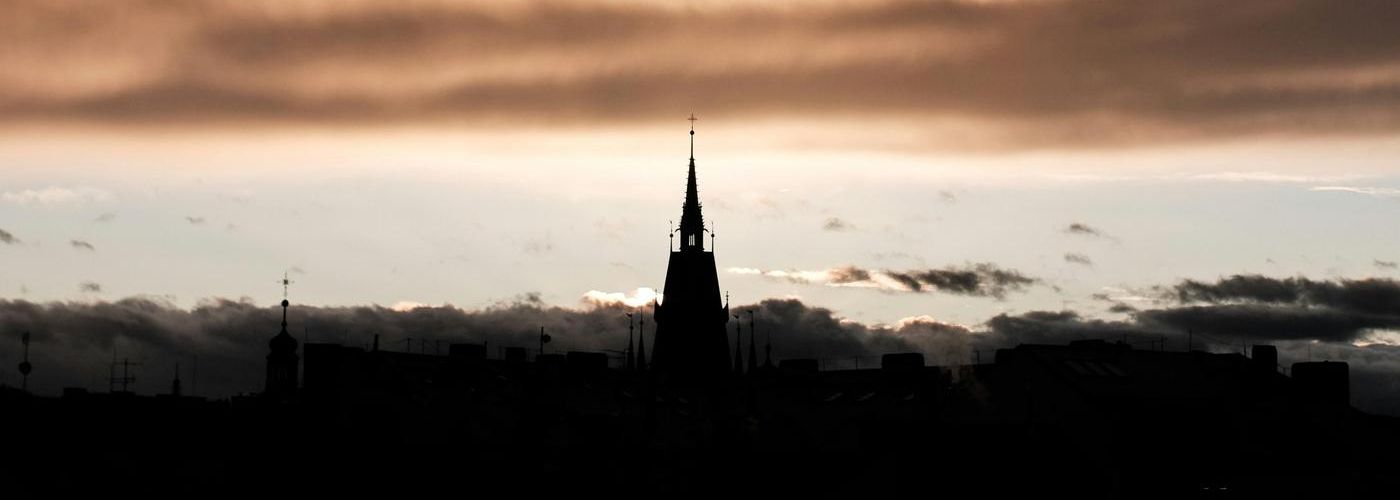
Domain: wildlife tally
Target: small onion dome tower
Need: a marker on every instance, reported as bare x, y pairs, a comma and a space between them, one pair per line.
282, 362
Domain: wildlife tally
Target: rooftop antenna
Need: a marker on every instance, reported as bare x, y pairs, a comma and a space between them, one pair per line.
125, 379
671, 233
24, 366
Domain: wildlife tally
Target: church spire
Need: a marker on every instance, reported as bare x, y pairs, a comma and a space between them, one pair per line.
692, 223
691, 340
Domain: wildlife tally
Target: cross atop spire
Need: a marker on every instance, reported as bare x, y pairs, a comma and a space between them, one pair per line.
286, 284
692, 136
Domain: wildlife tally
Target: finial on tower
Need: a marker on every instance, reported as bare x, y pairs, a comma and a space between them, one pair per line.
692, 135
286, 286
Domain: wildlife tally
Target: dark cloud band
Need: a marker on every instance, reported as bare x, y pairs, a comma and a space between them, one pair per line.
1086, 72
73, 343
977, 280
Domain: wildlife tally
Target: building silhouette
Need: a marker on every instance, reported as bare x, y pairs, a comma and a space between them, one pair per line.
691, 343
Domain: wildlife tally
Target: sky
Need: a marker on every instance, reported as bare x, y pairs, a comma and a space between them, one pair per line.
888, 162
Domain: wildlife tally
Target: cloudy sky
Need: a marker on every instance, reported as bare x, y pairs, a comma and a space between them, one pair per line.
886, 162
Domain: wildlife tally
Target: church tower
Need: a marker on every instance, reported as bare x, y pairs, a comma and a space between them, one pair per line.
282, 361
692, 340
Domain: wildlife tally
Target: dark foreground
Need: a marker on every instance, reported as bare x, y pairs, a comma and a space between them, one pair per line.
1092, 421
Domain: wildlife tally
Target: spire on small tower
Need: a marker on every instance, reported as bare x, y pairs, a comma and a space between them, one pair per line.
286, 287
282, 359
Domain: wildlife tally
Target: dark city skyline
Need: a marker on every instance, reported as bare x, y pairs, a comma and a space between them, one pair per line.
1080, 248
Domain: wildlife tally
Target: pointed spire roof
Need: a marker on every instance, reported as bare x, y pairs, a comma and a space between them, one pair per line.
692, 223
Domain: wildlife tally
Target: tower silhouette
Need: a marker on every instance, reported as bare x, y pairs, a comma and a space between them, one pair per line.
282, 359
692, 341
